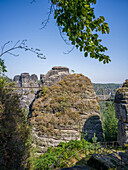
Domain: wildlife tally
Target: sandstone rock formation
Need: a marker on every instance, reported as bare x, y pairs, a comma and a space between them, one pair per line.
124, 156
55, 75
25, 80
17, 81
27, 88
107, 161
121, 109
64, 111
28, 85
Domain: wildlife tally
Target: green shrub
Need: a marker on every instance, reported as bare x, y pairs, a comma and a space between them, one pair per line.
109, 122
14, 130
94, 139
59, 155
43, 90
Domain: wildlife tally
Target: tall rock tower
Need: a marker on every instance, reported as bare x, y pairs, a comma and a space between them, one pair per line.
65, 110
121, 109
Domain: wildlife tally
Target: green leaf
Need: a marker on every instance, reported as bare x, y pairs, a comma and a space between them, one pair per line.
102, 18
85, 54
78, 21
100, 58
81, 48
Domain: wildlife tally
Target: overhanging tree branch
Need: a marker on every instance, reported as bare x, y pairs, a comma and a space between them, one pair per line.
45, 22
18, 45
77, 20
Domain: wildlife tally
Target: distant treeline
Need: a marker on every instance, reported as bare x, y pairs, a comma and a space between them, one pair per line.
106, 89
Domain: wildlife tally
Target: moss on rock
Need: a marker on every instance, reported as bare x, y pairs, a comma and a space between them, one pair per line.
65, 106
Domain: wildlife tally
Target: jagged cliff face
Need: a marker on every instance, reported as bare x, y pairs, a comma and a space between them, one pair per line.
65, 110
25, 80
55, 75
121, 109
28, 85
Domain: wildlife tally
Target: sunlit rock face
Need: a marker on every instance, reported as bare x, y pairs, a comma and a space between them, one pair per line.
55, 75
65, 107
121, 109
17, 80
25, 80
64, 111
28, 85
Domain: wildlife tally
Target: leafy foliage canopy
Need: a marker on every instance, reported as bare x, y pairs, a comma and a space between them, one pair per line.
60, 157
77, 19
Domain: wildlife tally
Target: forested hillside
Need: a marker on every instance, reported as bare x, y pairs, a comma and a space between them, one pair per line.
105, 89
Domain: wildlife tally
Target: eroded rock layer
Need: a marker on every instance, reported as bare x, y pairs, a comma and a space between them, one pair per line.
28, 85
64, 111
56, 74
121, 109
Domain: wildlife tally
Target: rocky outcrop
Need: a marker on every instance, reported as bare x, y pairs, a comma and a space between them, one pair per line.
25, 80
121, 109
106, 161
124, 157
64, 111
27, 88
28, 85
17, 81
55, 75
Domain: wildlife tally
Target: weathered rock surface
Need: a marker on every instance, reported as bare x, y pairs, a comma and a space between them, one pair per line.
106, 162
17, 80
124, 156
28, 85
65, 110
121, 109
79, 167
55, 75
25, 80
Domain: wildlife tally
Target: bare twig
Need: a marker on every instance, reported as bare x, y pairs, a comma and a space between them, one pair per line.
15, 55
2, 48
45, 22
16, 43
69, 51
62, 36
33, 1
20, 45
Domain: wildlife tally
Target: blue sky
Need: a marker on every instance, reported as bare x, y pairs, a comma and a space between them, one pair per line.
22, 20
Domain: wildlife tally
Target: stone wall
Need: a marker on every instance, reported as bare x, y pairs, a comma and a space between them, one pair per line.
121, 109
